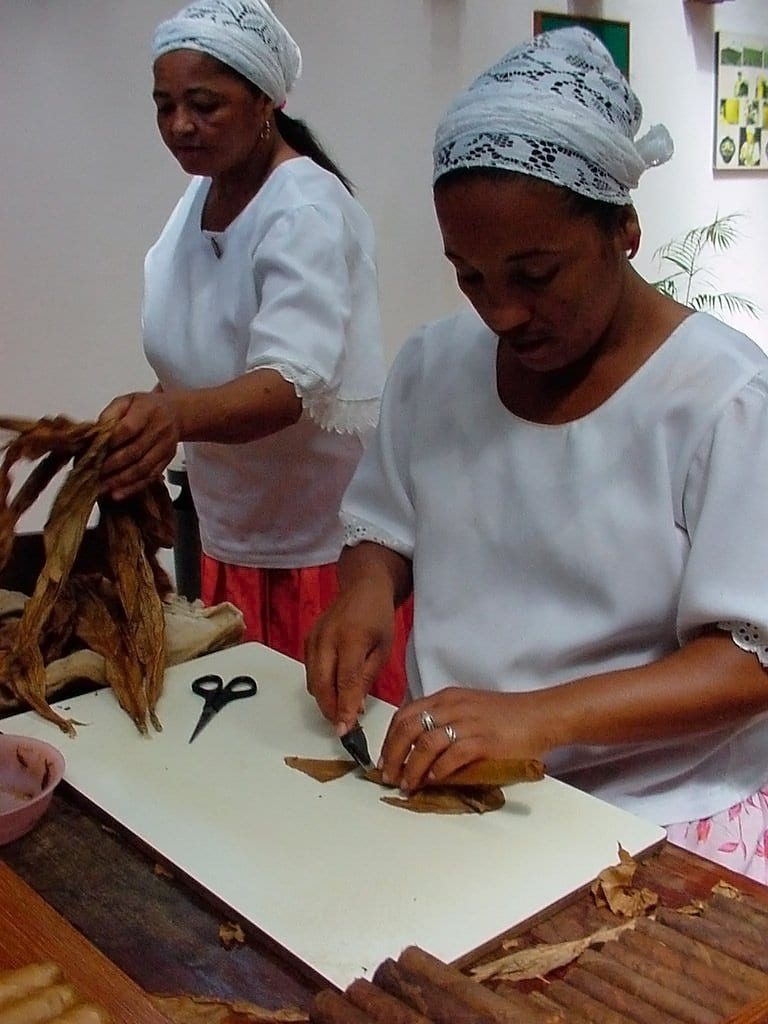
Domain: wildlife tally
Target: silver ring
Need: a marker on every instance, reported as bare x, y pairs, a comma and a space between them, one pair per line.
427, 721
450, 732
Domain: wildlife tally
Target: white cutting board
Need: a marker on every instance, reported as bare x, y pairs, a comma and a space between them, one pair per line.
328, 871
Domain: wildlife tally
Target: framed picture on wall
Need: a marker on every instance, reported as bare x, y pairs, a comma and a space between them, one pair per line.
613, 34
741, 104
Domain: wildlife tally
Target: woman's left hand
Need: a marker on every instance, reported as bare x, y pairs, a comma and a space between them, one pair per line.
469, 725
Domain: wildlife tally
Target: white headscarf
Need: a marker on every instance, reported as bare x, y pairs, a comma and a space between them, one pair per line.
243, 34
556, 107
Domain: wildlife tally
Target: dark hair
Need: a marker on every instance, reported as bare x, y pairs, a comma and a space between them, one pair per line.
296, 133
607, 216
300, 137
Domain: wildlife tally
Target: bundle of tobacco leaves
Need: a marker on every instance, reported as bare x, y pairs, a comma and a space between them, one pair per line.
115, 608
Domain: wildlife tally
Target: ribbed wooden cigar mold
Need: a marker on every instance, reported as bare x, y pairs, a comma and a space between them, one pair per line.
705, 968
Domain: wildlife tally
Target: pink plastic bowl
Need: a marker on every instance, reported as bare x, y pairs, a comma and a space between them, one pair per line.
30, 770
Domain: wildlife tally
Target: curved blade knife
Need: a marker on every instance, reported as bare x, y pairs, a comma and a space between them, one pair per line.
355, 744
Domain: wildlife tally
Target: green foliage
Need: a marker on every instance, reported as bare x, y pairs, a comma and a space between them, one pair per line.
690, 282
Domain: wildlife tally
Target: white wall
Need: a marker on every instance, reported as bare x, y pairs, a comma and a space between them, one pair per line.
86, 184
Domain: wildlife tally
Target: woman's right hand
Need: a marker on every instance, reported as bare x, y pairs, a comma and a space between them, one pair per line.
346, 649
144, 441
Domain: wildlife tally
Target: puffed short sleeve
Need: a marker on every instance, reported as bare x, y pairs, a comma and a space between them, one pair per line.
378, 504
725, 506
304, 293
318, 321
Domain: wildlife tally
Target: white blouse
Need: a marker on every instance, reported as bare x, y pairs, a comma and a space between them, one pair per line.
544, 553
290, 285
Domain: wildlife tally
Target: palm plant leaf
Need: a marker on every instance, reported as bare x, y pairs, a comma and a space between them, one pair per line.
684, 255
724, 302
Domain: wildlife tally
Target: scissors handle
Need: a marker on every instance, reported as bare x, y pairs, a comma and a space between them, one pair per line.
239, 686
216, 694
208, 686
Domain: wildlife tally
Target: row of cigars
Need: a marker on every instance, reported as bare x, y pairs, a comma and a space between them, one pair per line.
704, 965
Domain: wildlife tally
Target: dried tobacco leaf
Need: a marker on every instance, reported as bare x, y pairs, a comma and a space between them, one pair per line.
442, 799
101, 624
613, 888
204, 1010
134, 530
537, 961
143, 609
319, 769
449, 800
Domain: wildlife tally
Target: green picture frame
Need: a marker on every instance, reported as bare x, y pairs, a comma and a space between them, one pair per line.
613, 34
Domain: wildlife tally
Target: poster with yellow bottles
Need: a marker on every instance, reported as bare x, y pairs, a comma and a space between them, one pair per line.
741, 117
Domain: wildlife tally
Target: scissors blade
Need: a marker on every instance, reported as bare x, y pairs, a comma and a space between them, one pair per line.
205, 716
355, 743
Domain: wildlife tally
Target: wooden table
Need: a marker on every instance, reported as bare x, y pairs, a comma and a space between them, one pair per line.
156, 930
165, 937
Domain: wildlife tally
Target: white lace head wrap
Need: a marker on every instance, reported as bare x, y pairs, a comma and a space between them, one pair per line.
243, 34
557, 108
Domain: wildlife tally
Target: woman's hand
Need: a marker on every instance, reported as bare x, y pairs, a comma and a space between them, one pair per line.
469, 725
346, 649
144, 441
351, 641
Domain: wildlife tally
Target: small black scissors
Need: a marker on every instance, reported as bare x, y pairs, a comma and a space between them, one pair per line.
217, 695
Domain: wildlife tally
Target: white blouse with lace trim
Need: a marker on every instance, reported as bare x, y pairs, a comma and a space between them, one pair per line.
748, 637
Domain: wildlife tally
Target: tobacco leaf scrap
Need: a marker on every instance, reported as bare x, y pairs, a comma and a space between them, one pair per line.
613, 889
723, 888
321, 769
537, 961
204, 1010
450, 800
231, 935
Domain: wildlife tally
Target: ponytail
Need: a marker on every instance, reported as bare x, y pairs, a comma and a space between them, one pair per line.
301, 138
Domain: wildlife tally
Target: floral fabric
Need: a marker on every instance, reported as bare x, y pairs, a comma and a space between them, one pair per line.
736, 838
281, 606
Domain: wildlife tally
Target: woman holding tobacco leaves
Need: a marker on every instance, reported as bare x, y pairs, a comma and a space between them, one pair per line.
571, 478
261, 321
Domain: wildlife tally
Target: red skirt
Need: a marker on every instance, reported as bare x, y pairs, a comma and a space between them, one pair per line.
280, 606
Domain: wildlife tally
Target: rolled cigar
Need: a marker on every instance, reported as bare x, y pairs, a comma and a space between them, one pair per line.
381, 1006
736, 925
747, 900
84, 1013
557, 1013
483, 773
677, 982
22, 981
576, 1001
674, 1005
40, 1005
329, 1007
754, 1013
714, 935
690, 947
513, 1008
617, 999
707, 978
742, 909
439, 1006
